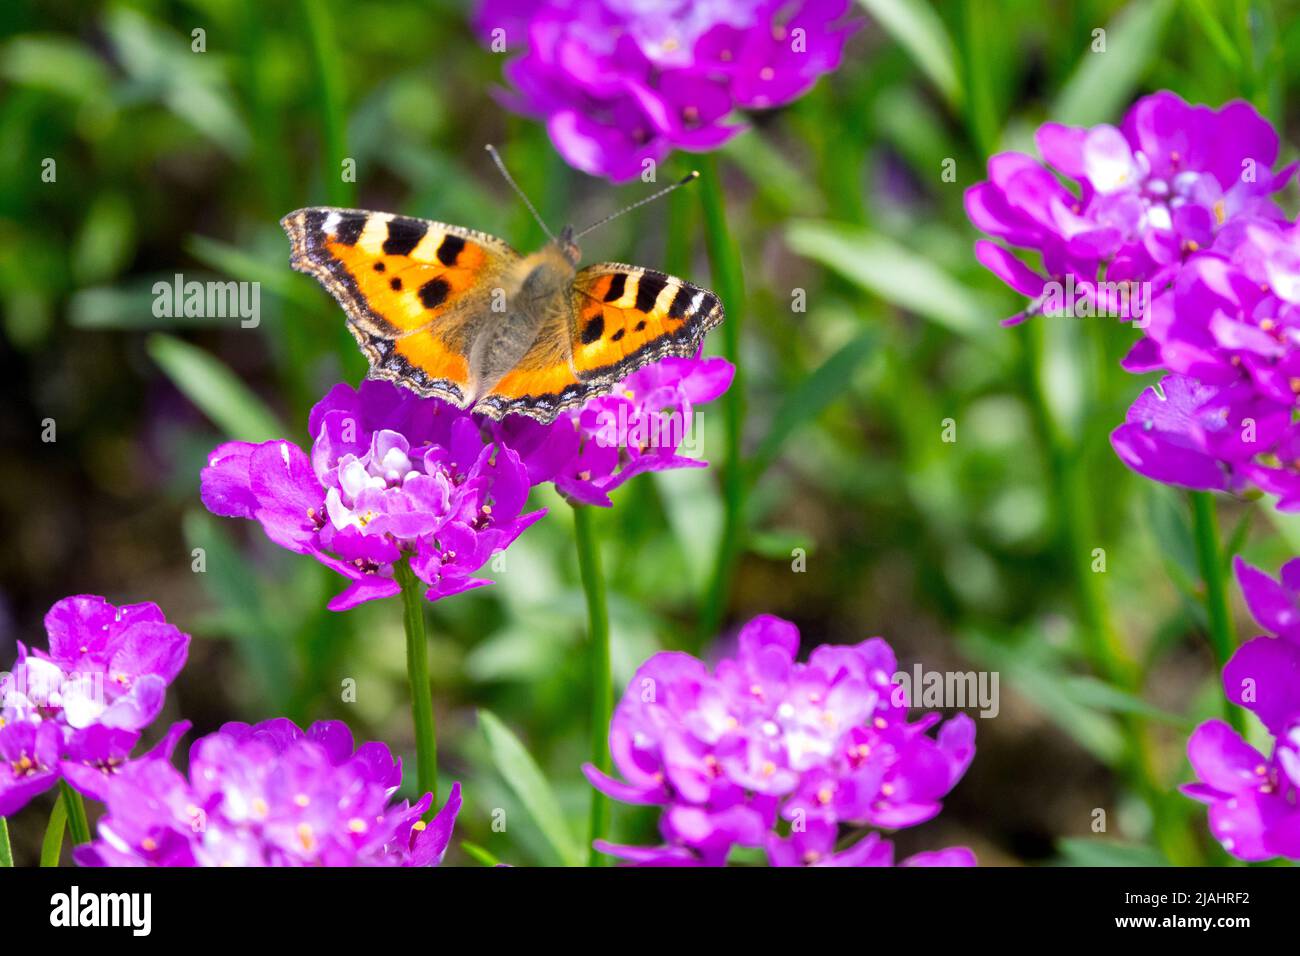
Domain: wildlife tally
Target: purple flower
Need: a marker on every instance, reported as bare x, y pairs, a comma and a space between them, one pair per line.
75, 712
620, 83
1254, 801
1167, 435
1232, 314
389, 475
1226, 438
643, 425
269, 794
764, 751
1147, 194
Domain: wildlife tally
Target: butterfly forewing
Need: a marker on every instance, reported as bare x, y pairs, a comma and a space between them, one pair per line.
626, 317
412, 288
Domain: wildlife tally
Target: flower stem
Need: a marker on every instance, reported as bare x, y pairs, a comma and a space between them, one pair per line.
77, 823
602, 698
1106, 653
329, 94
52, 845
1209, 556
417, 671
729, 284
6, 852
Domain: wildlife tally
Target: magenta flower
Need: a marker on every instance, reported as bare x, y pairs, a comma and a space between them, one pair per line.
619, 84
1146, 196
1227, 329
1254, 801
75, 712
269, 794
763, 751
389, 475
1232, 314
1206, 438
643, 425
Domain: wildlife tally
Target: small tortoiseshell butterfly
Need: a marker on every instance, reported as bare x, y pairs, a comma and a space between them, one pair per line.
459, 314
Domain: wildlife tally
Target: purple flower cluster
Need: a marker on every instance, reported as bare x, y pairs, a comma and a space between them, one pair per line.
390, 475
642, 426
619, 83
270, 794
1254, 801
767, 752
1147, 196
76, 711
1178, 200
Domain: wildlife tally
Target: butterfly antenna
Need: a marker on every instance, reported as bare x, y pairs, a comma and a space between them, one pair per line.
693, 175
496, 158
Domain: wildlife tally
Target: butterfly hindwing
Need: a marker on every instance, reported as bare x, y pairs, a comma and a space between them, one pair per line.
411, 288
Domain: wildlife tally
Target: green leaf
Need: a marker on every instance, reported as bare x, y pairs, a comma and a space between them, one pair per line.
895, 273
1081, 851
1287, 523
1099, 695
779, 545
920, 31
54, 63
235, 585
1169, 524
1103, 83
129, 305
529, 784
242, 265
780, 181
1203, 12
476, 852
52, 844
161, 64
106, 242
810, 398
215, 389
1036, 671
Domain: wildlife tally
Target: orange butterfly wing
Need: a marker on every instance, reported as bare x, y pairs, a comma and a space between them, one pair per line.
620, 319
411, 289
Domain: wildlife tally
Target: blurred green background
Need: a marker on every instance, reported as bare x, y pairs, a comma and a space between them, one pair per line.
968, 554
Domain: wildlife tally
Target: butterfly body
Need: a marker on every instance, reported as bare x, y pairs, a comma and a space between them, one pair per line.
459, 314
532, 299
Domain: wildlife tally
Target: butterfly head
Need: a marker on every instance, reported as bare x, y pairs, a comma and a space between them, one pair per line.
568, 248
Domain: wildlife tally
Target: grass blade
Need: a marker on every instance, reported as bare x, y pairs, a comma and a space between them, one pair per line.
529, 784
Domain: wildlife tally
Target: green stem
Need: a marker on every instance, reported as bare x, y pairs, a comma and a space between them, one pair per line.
602, 693
1246, 46
6, 852
417, 671
52, 845
329, 92
729, 284
77, 823
1106, 654
1209, 557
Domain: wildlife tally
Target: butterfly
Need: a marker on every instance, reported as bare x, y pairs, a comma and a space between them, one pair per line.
450, 312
